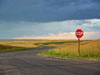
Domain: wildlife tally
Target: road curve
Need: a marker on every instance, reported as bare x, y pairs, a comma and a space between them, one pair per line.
28, 63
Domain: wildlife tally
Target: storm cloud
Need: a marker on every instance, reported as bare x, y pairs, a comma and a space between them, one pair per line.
19, 18
48, 10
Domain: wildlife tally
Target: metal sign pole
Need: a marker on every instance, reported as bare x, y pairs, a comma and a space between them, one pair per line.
78, 46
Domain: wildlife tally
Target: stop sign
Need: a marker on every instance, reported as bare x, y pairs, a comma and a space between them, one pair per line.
79, 33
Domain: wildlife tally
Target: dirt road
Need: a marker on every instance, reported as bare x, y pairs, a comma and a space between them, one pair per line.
28, 63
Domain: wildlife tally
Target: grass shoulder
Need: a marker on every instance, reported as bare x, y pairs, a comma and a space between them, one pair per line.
55, 55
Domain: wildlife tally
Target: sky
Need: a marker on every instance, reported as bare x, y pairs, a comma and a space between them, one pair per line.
49, 19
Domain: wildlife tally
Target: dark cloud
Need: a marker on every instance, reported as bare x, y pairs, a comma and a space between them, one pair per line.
48, 10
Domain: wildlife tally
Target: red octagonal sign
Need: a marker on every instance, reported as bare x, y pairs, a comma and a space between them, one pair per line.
79, 33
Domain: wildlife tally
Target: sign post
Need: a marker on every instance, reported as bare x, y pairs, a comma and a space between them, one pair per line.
78, 46
79, 34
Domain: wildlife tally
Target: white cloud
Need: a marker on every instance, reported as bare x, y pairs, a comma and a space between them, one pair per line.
60, 30
72, 25
92, 23
56, 27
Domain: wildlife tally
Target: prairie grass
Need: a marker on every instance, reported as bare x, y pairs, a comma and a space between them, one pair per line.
89, 49
19, 43
6, 45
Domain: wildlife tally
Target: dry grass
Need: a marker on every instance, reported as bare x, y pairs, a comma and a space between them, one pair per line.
88, 49
6, 46
21, 45
66, 48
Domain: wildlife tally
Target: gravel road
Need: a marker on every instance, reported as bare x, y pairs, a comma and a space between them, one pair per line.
28, 63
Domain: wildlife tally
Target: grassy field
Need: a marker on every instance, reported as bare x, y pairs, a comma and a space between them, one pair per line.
90, 50
6, 45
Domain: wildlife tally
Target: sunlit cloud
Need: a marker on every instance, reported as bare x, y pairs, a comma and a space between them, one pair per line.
57, 29
61, 36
